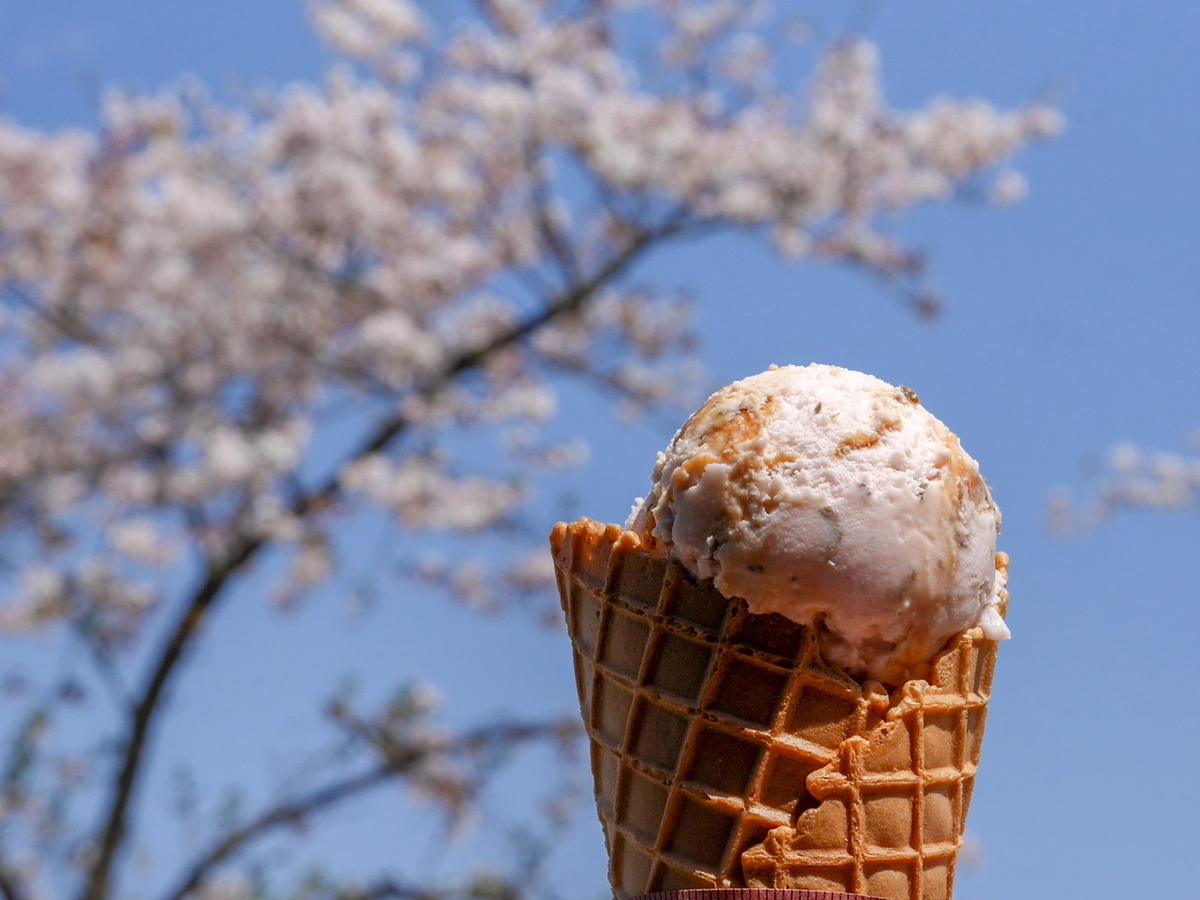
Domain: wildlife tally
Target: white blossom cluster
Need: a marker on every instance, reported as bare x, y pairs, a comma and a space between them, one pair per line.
1134, 478
195, 295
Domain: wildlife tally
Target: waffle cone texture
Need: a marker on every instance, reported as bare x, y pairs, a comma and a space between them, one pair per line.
727, 753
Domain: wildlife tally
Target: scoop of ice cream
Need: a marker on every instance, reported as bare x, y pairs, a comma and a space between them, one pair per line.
833, 498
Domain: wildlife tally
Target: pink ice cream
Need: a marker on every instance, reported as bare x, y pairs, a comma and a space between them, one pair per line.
833, 498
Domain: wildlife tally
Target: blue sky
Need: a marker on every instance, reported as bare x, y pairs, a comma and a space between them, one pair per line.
1071, 323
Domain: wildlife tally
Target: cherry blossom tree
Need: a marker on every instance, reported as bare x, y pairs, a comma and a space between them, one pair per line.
201, 301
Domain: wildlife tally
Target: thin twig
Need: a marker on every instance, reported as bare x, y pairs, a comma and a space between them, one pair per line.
388, 889
288, 813
9, 889
105, 668
558, 247
398, 761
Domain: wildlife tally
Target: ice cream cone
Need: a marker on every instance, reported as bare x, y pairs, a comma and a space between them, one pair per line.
727, 753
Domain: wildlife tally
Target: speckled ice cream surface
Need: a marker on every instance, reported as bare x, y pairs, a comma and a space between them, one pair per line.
832, 497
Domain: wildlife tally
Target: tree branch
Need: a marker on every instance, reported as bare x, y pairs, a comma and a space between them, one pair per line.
286, 813
388, 889
397, 761
187, 627
9, 889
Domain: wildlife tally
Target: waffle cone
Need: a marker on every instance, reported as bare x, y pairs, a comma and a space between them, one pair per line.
727, 753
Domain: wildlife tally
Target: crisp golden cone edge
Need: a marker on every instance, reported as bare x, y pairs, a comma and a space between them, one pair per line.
727, 753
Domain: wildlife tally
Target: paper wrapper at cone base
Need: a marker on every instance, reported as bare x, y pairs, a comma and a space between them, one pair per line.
727, 753
751, 894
